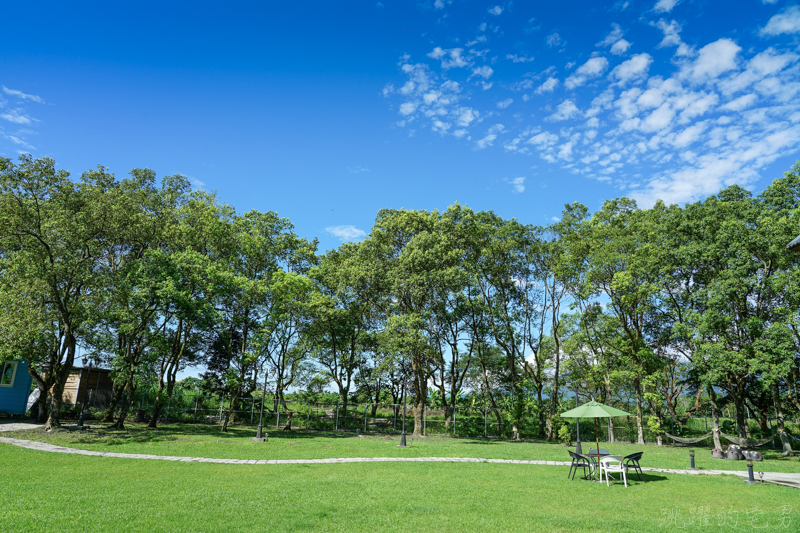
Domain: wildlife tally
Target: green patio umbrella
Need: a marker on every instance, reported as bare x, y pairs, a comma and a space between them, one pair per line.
594, 410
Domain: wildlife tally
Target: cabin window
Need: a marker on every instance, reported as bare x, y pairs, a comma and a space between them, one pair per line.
8, 374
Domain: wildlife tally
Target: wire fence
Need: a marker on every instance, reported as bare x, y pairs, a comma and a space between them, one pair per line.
459, 421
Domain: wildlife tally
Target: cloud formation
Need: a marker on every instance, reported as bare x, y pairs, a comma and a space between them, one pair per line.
787, 21
676, 122
346, 233
591, 69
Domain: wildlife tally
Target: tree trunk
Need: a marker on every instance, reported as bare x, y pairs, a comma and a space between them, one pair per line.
786, 444
229, 412
420, 392
741, 421
127, 401
158, 405
712, 398
54, 414
59, 380
119, 389
639, 412
448, 416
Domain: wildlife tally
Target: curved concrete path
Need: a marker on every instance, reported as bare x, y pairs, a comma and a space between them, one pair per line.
790, 480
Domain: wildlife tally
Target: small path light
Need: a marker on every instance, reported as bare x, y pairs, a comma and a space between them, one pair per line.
691, 459
750, 479
258, 437
85, 390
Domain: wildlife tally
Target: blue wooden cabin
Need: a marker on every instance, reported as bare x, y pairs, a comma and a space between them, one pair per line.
15, 386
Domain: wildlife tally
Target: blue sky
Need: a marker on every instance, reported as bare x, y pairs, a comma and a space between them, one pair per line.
327, 112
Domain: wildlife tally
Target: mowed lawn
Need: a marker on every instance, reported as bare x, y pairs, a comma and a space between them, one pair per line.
44, 491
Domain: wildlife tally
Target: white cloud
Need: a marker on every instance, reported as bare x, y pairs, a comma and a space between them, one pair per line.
465, 116
769, 1
548, 86
456, 59
760, 67
346, 233
553, 39
16, 116
743, 102
620, 47
495, 10
22, 96
671, 31
713, 60
565, 110
519, 59
518, 184
408, 108
484, 72
633, 69
591, 69
490, 137
787, 21
613, 36
505, 103
665, 6
437, 53
357, 169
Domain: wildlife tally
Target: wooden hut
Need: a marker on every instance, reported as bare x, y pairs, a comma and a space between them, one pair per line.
15, 385
96, 382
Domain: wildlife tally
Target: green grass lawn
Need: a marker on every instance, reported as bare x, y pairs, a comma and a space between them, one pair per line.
58, 492
208, 441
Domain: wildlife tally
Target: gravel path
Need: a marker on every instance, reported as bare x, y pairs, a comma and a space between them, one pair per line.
791, 480
14, 426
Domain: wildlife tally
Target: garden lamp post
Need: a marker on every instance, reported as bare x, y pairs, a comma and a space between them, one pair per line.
403, 434
85, 390
258, 436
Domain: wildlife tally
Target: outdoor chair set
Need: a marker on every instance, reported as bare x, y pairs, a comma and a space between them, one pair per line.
603, 462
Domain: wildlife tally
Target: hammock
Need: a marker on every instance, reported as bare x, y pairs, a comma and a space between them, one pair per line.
688, 441
749, 443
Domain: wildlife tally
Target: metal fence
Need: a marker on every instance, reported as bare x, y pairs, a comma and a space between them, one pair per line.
461, 421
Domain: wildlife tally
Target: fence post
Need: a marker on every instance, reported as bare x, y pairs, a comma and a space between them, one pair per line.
336, 425
454, 421
278, 411
308, 414
196, 397
394, 424
485, 424
424, 419
365, 418
166, 415
252, 408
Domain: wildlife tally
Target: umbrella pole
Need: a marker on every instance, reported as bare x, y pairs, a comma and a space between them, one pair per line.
597, 438
578, 433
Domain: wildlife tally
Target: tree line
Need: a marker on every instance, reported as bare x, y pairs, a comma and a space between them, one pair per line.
647, 306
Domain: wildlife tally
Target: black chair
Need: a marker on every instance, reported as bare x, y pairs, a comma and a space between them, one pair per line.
579, 461
632, 462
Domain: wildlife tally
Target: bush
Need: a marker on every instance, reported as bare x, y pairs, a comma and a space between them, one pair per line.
565, 434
